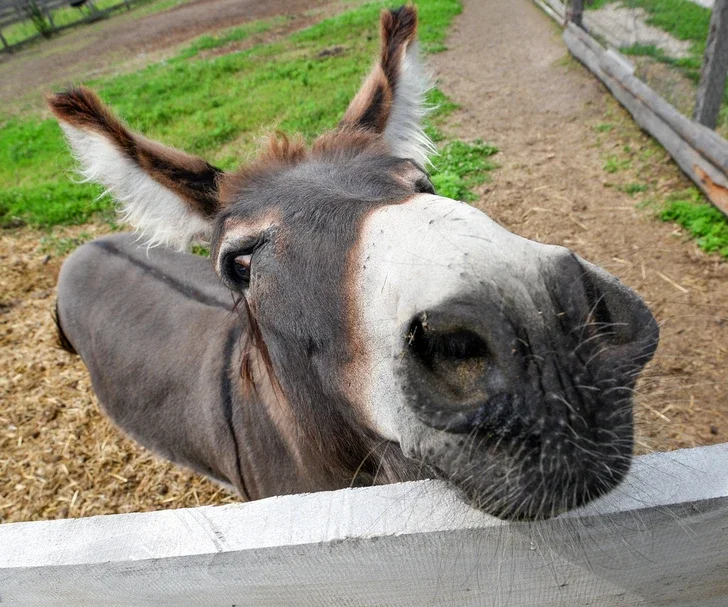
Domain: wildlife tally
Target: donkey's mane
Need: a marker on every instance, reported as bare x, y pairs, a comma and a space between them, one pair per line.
280, 150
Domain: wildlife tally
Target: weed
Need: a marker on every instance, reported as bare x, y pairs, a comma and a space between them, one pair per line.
702, 220
635, 188
604, 127
462, 166
615, 164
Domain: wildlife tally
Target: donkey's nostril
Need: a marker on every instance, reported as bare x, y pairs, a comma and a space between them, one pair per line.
599, 315
449, 372
458, 356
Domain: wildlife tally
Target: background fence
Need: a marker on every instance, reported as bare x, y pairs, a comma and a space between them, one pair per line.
700, 152
22, 21
660, 539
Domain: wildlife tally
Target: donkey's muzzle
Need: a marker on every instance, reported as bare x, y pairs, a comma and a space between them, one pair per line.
526, 402
514, 368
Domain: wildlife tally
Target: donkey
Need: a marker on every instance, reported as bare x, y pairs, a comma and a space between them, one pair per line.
357, 328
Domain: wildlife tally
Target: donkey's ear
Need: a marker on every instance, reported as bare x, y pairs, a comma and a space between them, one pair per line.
170, 196
392, 99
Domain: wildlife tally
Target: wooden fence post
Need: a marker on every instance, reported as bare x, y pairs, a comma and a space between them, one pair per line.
48, 13
715, 68
577, 12
6, 46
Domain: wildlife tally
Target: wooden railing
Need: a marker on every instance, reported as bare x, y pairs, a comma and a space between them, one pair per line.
699, 151
40, 13
661, 538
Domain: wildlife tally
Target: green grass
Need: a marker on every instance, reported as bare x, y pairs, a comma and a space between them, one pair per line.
156, 6
701, 220
614, 164
229, 36
635, 188
63, 16
461, 167
690, 65
442, 107
682, 19
62, 246
215, 106
687, 21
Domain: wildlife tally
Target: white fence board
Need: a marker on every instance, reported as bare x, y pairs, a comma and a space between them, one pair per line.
661, 539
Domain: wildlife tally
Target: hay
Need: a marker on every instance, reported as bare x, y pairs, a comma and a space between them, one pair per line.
59, 457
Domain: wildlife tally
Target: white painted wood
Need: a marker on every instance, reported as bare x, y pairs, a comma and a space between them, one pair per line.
660, 539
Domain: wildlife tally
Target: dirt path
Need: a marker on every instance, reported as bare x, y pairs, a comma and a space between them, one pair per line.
127, 41
510, 71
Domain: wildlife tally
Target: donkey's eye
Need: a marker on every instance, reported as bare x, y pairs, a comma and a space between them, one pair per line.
236, 267
241, 265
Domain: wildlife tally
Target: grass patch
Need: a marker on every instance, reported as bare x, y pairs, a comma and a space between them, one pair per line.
604, 127
229, 36
62, 16
65, 15
157, 6
683, 20
461, 167
687, 21
614, 164
690, 66
442, 106
215, 106
635, 188
700, 219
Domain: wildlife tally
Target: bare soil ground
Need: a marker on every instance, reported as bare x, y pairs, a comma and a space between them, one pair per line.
509, 70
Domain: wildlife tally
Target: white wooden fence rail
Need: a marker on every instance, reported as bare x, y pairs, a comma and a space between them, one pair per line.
661, 539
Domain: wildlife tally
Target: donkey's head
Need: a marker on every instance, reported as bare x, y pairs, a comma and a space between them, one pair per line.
384, 312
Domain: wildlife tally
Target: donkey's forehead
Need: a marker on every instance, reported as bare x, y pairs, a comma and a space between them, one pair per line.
322, 184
